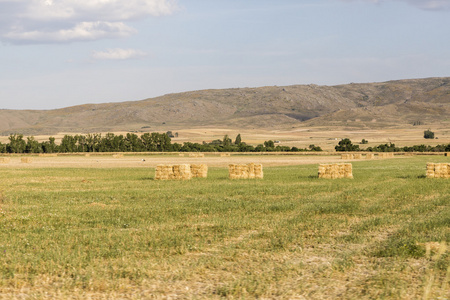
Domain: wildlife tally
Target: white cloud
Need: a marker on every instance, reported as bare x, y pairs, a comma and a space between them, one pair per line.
111, 10
84, 31
44, 21
422, 4
118, 54
431, 4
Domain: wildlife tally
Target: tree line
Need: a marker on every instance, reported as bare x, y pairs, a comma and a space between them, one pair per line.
147, 142
347, 145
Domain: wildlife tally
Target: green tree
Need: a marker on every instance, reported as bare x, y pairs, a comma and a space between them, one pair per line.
260, 148
156, 142
428, 134
50, 146
346, 145
93, 142
238, 140
133, 143
313, 147
165, 142
16, 144
68, 144
226, 141
2, 148
33, 146
269, 145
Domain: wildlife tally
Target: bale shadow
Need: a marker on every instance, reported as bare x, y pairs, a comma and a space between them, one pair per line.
412, 177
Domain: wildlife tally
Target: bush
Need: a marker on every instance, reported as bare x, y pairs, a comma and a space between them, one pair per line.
428, 134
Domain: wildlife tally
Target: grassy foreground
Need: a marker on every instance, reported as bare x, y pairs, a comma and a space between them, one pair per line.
117, 233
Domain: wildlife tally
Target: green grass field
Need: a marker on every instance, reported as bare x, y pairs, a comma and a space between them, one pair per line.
117, 233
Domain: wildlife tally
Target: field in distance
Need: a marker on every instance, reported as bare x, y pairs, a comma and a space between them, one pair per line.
325, 137
113, 232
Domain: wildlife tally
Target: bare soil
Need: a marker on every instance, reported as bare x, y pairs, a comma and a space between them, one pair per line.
150, 161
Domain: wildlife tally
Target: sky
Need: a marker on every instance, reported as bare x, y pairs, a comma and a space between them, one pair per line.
60, 53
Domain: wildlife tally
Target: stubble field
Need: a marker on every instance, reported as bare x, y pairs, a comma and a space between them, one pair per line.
103, 228
327, 137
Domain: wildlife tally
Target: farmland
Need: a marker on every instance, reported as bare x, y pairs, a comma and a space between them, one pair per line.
102, 227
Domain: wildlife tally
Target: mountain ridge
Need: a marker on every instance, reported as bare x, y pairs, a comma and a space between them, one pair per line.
361, 105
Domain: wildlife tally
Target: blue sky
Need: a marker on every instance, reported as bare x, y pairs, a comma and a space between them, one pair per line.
59, 53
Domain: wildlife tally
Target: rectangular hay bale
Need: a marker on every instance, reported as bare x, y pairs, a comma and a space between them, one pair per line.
26, 160
173, 172
199, 171
438, 170
5, 160
334, 171
245, 171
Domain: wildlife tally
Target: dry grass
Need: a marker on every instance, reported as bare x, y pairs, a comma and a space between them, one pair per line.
152, 160
301, 137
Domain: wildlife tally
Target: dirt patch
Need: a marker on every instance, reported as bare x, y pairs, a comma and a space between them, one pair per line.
151, 161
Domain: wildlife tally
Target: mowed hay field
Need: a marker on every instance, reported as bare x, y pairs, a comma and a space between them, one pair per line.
116, 233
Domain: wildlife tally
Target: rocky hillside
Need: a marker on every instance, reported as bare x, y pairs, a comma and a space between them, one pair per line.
368, 105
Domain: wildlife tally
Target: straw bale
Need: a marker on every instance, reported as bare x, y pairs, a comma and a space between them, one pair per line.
117, 155
196, 155
370, 156
386, 154
435, 170
259, 174
447, 154
346, 156
357, 156
199, 171
87, 155
173, 172
181, 155
444, 170
224, 154
248, 171
333, 171
26, 160
5, 160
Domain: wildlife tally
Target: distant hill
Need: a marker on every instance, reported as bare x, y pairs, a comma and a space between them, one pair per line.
366, 105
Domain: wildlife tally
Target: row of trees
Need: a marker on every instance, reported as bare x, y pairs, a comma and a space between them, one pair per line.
347, 145
89, 143
161, 142
147, 142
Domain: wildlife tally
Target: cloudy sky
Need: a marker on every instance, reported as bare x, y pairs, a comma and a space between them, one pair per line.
59, 53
